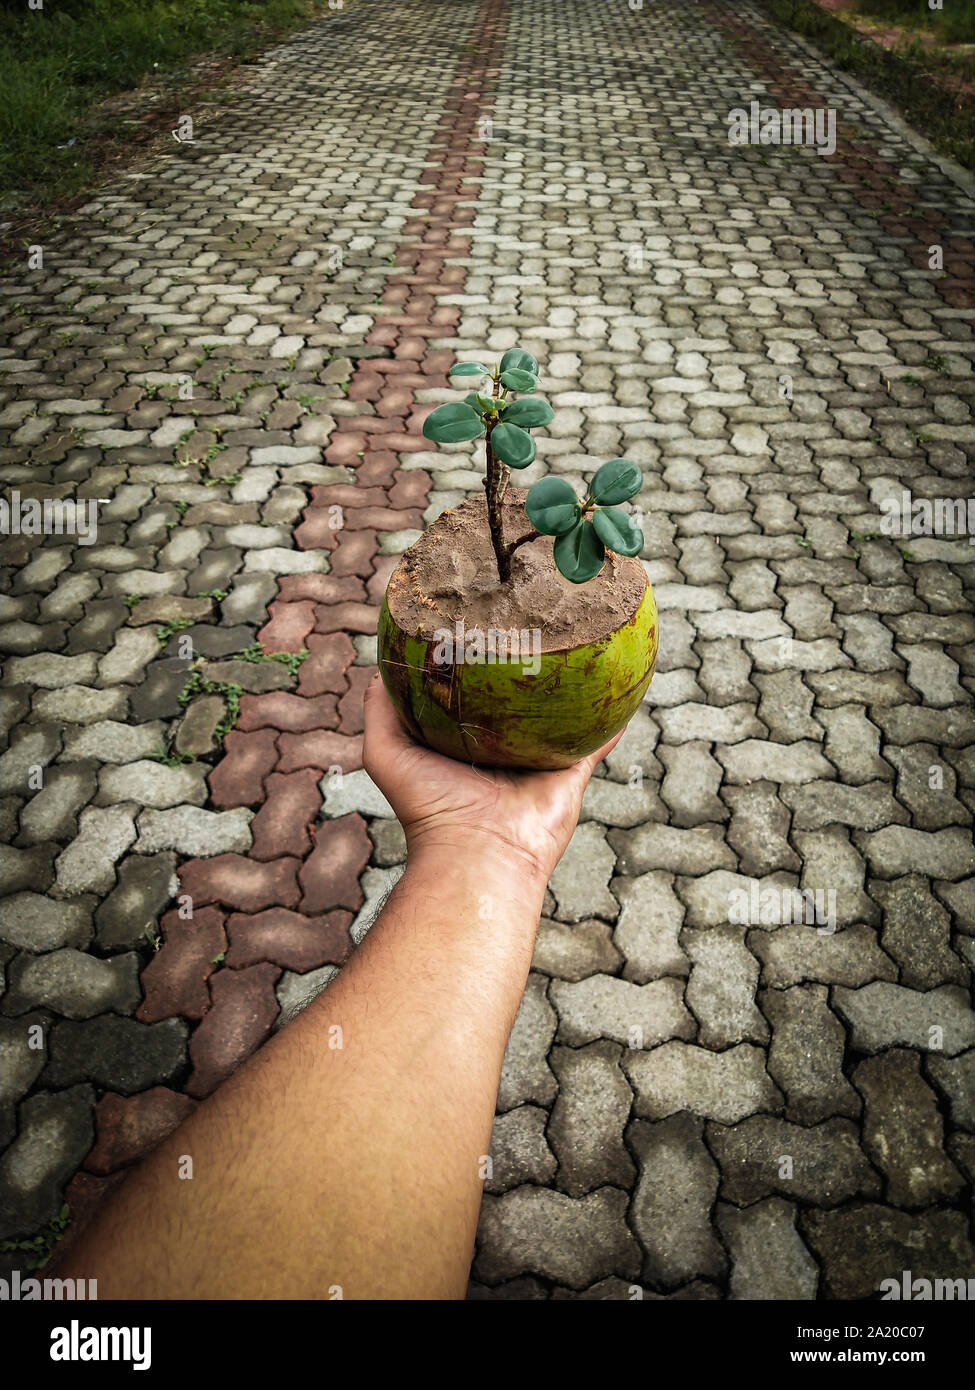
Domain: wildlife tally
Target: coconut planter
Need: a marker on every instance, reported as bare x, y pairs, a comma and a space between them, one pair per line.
533, 673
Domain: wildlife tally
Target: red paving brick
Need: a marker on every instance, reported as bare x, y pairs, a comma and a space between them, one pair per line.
324, 670
289, 939
281, 710
244, 1008
283, 824
129, 1127
241, 883
238, 779
322, 749
330, 877
175, 980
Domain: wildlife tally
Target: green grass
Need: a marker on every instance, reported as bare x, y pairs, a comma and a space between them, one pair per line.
955, 23
904, 76
57, 63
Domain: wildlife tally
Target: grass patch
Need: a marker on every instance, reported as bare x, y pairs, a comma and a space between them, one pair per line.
58, 63
929, 83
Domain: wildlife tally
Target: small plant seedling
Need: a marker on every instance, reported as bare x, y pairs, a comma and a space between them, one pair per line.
583, 528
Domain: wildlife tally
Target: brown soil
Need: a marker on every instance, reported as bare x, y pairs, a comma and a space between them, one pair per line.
450, 573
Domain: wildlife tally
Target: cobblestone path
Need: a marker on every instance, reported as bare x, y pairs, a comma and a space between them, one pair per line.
234, 349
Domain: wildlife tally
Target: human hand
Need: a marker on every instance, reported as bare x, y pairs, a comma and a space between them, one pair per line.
448, 805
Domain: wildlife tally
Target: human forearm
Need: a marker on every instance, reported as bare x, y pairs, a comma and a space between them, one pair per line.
375, 1142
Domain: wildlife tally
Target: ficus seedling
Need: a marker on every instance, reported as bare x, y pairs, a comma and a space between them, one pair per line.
584, 529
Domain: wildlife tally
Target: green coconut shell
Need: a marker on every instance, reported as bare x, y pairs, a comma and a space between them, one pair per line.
497, 715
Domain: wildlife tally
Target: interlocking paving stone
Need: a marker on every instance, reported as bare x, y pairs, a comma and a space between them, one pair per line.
903, 1131
806, 686
674, 1197
769, 1259
589, 1117
821, 1164
519, 1150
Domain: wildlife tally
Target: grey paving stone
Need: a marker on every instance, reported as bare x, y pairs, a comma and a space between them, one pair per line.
525, 1072
799, 952
897, 850
769, 1261
569, 951
903, 1131
192, 831
648, 929
589, 1117
806, 1054
663, 847
20, 1059
759, 829
88, 864
573, 1241
56, 1131
116, 1053
955, 1078
131, 911
766, 1155
916, 933
38, 923
724, 1086
73, 984
882, 1015
112, 742
153, 784
671, 1208
52, 812
519, 1150
721, 990
863, 1244
637, 1016
580, 882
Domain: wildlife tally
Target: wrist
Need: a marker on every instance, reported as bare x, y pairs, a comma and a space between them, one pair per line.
497, 866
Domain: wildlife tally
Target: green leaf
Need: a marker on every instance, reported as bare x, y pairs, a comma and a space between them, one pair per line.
468, 369
516, 359
552, 507
615, 482
449, 424
618, 531
512, 446
529, 414
490, 402
517, 380
579, 553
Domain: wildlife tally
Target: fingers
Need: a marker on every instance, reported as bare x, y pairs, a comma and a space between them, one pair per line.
592, 761
384, 737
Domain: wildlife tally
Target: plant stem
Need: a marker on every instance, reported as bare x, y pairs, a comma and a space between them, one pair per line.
495, 483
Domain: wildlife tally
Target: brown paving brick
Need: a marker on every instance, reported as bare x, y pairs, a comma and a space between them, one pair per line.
175, 980
279, 709
323, 588
319, 530
289, 939
243, 1010
289, 625
354, 553
346, 617
347, 495
324, 670
321, 749
385, 567
330, 876
85, 1194
345, 447
241, 883
129, 1127
411, 489
238, 779
291, 806
350, 705
383, 519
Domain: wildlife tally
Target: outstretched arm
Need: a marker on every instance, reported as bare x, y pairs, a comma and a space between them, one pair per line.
353, 1171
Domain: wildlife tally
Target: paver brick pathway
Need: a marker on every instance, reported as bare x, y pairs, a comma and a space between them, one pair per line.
235, 348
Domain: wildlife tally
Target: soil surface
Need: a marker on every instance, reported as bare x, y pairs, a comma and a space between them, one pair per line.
450, 573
